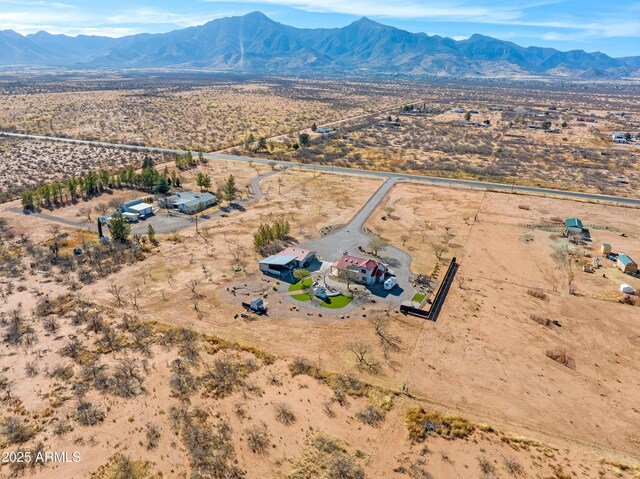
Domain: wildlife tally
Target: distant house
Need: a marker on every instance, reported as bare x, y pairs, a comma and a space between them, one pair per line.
137, 207
626, 264
325, 131
304, 257
619, 138
188, 202
573, 226
278, 265
605, 248
360, 270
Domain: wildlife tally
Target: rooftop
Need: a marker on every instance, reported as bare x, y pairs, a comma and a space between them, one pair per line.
573, 223
140, 207
347, 261
625, 260
278, 260
299, 253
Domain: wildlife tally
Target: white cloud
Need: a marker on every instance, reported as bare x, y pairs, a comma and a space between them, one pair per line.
490, 13
148, 15
400, 9
31, 17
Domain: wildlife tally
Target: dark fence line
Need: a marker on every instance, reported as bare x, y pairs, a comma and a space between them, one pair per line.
441, 295
404, 309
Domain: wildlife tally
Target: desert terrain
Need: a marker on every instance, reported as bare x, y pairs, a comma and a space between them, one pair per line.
484, 360
139, 356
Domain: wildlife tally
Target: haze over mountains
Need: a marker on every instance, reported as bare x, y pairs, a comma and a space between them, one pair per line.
254, 43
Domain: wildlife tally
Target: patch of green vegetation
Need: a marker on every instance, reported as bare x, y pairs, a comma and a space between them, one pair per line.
418, 297
302, 297
303, 283
336, 302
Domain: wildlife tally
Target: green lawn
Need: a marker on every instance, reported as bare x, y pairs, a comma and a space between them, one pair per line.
299, 285
302, 297
336, 302
418, 297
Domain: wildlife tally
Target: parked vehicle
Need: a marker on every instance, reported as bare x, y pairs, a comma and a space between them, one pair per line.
390, 283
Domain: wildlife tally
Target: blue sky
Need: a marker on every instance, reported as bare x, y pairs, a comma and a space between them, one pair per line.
592, 25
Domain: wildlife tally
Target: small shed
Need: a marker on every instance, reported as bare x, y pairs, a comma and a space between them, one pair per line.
626, 289
257, 304
626, 264
605, 248
573, 226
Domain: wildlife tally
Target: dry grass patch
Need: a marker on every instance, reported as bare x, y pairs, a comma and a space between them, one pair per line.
120, 466
325, 457
422, 424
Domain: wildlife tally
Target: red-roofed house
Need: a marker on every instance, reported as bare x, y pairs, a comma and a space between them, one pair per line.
365, 271
304, 257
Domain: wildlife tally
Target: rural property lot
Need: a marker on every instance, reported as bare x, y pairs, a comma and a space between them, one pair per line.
484, 359
485, 355
142, 357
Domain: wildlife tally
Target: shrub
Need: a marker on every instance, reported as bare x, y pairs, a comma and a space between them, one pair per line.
513, 467
370, 415
285, 414
16, 431
487, 469
226, 374
258, 438
123, 467
89, 415
344, 467
300, 366
422, 424
153, 436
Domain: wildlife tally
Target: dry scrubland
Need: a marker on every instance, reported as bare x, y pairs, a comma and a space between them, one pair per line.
580, 156
218, 112
439, 145
28, 163
143, 400
209, 115
91, 357
136, 358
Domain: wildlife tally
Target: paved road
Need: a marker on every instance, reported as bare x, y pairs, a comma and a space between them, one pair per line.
482, 185
351, 235
161, 223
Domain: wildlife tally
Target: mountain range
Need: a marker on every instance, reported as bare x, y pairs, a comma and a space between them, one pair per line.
254, 43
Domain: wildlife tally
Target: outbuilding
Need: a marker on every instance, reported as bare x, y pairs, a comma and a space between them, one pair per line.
573, 226
605, 248
278, 265
304, 257
137, 207
141, 209
626, 264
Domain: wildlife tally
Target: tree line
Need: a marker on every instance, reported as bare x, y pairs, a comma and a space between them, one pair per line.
186, 161
58, 193
271, 234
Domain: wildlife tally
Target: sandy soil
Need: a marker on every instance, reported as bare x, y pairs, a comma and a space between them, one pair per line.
484, 359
